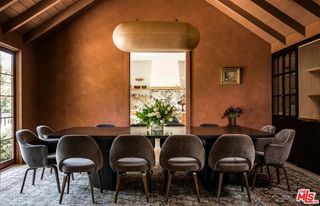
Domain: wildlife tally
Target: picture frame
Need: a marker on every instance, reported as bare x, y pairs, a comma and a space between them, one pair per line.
230, 75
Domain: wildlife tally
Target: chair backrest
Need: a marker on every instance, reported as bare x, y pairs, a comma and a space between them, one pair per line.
174, 125
138, 125
278, 152
105, 125
209, 125
79, 146
284, 136
43, 131
269, 128
182, 146
137, 146
232, 145
33, 151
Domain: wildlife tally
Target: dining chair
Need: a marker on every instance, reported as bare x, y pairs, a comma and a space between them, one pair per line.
232, 153
105, 125
209, 125
78, 153
182, 153
132, 153
36, 154
275, 154
261, 142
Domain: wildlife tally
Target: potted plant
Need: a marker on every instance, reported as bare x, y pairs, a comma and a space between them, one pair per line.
157, 114
232, 113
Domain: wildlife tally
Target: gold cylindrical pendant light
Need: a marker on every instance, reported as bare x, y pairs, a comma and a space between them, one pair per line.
148, 36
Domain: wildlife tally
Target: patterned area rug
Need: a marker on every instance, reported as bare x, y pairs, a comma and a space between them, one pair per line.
44, 192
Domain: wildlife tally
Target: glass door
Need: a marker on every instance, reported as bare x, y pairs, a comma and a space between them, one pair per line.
7, 107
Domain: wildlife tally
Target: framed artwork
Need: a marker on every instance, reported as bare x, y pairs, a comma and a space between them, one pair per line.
230, 75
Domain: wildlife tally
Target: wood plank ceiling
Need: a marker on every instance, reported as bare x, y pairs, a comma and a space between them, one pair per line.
279, 22
33, 18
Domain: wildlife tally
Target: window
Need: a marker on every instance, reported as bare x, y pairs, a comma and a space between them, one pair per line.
7, 107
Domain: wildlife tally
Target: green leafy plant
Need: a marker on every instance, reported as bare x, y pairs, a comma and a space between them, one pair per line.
158, 113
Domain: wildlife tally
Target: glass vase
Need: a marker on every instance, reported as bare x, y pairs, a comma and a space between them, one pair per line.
156, 127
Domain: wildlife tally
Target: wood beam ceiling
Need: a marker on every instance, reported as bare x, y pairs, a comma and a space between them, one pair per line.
54, 21
274, 11
28, 15
6, 3
310, 6
254, 20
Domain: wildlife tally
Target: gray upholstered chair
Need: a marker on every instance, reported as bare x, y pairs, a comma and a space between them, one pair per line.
105, 125
132, 153
261, 142
232, 153
78, 153
36, 154
276, 154
182, 153
209, 125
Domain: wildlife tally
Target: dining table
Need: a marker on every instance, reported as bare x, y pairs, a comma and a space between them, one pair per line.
105, 136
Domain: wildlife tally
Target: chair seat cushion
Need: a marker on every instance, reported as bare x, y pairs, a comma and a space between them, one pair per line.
77, 165
233, 164
182, 164
130, 164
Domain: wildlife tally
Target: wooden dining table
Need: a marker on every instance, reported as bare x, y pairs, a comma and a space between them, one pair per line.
105, 136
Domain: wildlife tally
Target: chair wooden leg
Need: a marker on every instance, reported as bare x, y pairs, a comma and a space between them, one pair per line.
51, 171
117, 186
99, 174
247, 185
269, 174
211, 179
65, 178
287, 179
34, 176
42, 173
170, 175
195, 179
242, 182
68, 183
91, 187
72, 176
149, 175
145, 185
278, 175
255, 171
220, 184
54, 168
165, 182
24, 179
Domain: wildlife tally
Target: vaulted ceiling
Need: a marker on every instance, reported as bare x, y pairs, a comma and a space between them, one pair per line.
279, 22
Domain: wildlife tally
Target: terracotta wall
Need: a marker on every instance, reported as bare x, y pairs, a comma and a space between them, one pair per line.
26, 69
83, 77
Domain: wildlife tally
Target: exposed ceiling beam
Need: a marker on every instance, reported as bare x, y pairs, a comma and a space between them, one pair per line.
28, 15
6, 3
309, 5
54, 21
274, 11
254, 20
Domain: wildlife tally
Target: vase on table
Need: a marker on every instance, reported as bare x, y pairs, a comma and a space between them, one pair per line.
232, 121
156, 127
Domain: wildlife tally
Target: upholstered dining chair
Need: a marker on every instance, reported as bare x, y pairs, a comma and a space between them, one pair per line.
183, 153
105, 125
232, 153
36, 154
132, 153
276, 154
78, 153
261, 142
209, 125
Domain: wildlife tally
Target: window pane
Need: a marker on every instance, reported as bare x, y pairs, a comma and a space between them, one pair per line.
275, 85
287, 101
275, 66
6, 150
280, 65
6, 85
293, 61
280, 106
293, 105
6, 128
6, 106
287, 84
287, 63
6, 62
275, 105
280, 84
293, 83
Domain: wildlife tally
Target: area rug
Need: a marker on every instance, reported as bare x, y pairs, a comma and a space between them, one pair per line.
44, 192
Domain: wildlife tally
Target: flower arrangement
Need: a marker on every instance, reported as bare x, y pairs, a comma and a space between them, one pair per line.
157, 113
232, 113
